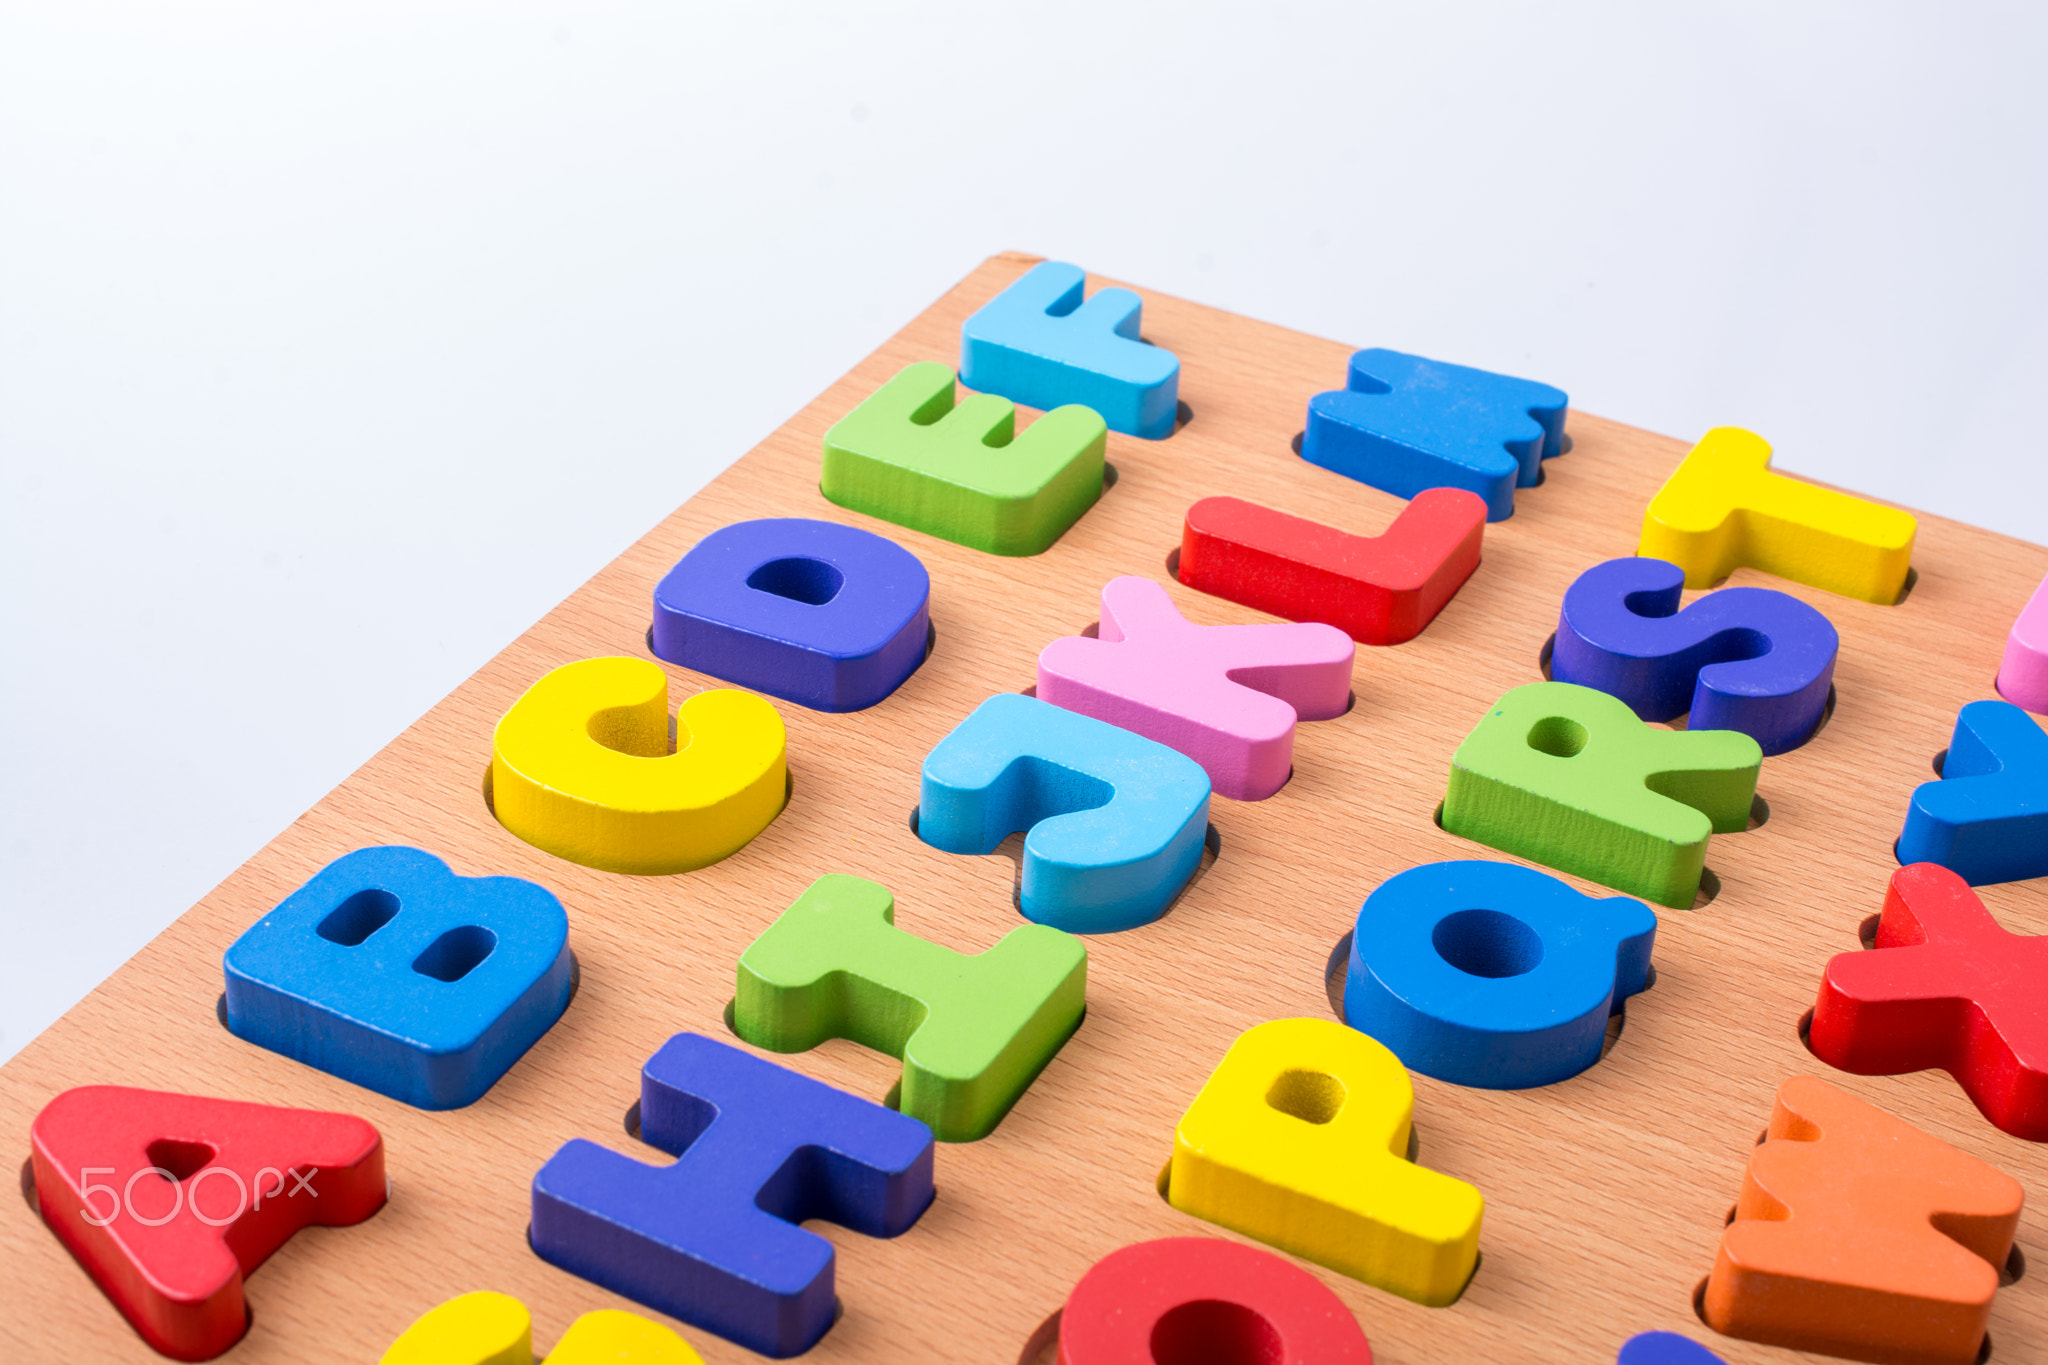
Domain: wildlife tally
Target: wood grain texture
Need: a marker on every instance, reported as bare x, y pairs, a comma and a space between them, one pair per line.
1606, 1193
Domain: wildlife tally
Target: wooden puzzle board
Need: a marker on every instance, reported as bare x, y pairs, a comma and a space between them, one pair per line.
1605, 1194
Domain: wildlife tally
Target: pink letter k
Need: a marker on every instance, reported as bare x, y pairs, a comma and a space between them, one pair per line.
1226, 696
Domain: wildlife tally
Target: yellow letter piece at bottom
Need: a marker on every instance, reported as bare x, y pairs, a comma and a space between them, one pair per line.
581, 767
494, 1329
1298, 1140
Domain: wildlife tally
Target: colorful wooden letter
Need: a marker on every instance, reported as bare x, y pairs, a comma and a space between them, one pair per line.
1748, 659
1379, 590
1493, 975
1115, 820
169, 1201
1402, 424
582, 766
1664, 1348
827, 616
1226, 696
1298, 1140
973, 1030
963, 474
1986, 817
1723, 508
1188, 1299
388, 970
1858, 1235
2023, 674
712, 1238
1947, 987
1568, 777
495, 1329
1038, 344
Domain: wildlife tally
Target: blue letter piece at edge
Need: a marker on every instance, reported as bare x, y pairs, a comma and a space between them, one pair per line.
1037, 343
712, 1238
391, 972
828, 616
1664, 1348
1493, 975
1115, 821
1986, 818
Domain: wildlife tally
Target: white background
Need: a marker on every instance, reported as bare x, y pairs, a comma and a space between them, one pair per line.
338, 345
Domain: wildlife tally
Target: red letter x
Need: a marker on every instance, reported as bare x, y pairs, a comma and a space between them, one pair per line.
1946, 987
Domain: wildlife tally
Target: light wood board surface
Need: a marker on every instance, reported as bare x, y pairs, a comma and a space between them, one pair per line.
1605, 1194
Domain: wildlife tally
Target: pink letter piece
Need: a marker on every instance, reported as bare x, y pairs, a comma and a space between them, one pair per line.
1226, 696
2023, 677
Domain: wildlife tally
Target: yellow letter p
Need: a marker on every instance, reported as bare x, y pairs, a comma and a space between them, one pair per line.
1298, 1140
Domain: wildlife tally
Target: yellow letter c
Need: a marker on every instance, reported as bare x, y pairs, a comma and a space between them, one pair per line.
581, 767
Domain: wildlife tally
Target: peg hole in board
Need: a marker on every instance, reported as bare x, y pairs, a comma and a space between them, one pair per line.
1182, 415
2015, 1268
1940, 762
1042, 1347
1214, 1332
179, 1160
1710, 887
1866, 932
1544, 656
1308, 1095
1295, 444
1558, 736
1759, 813
28, 1186
1827, 713
1212, 849
1109, 477
799, 578
352, 922
1173, 564
1906, 591
1806, 1031
456, 953
1729, 1221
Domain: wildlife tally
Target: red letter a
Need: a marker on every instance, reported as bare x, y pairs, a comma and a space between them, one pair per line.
169, 1200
